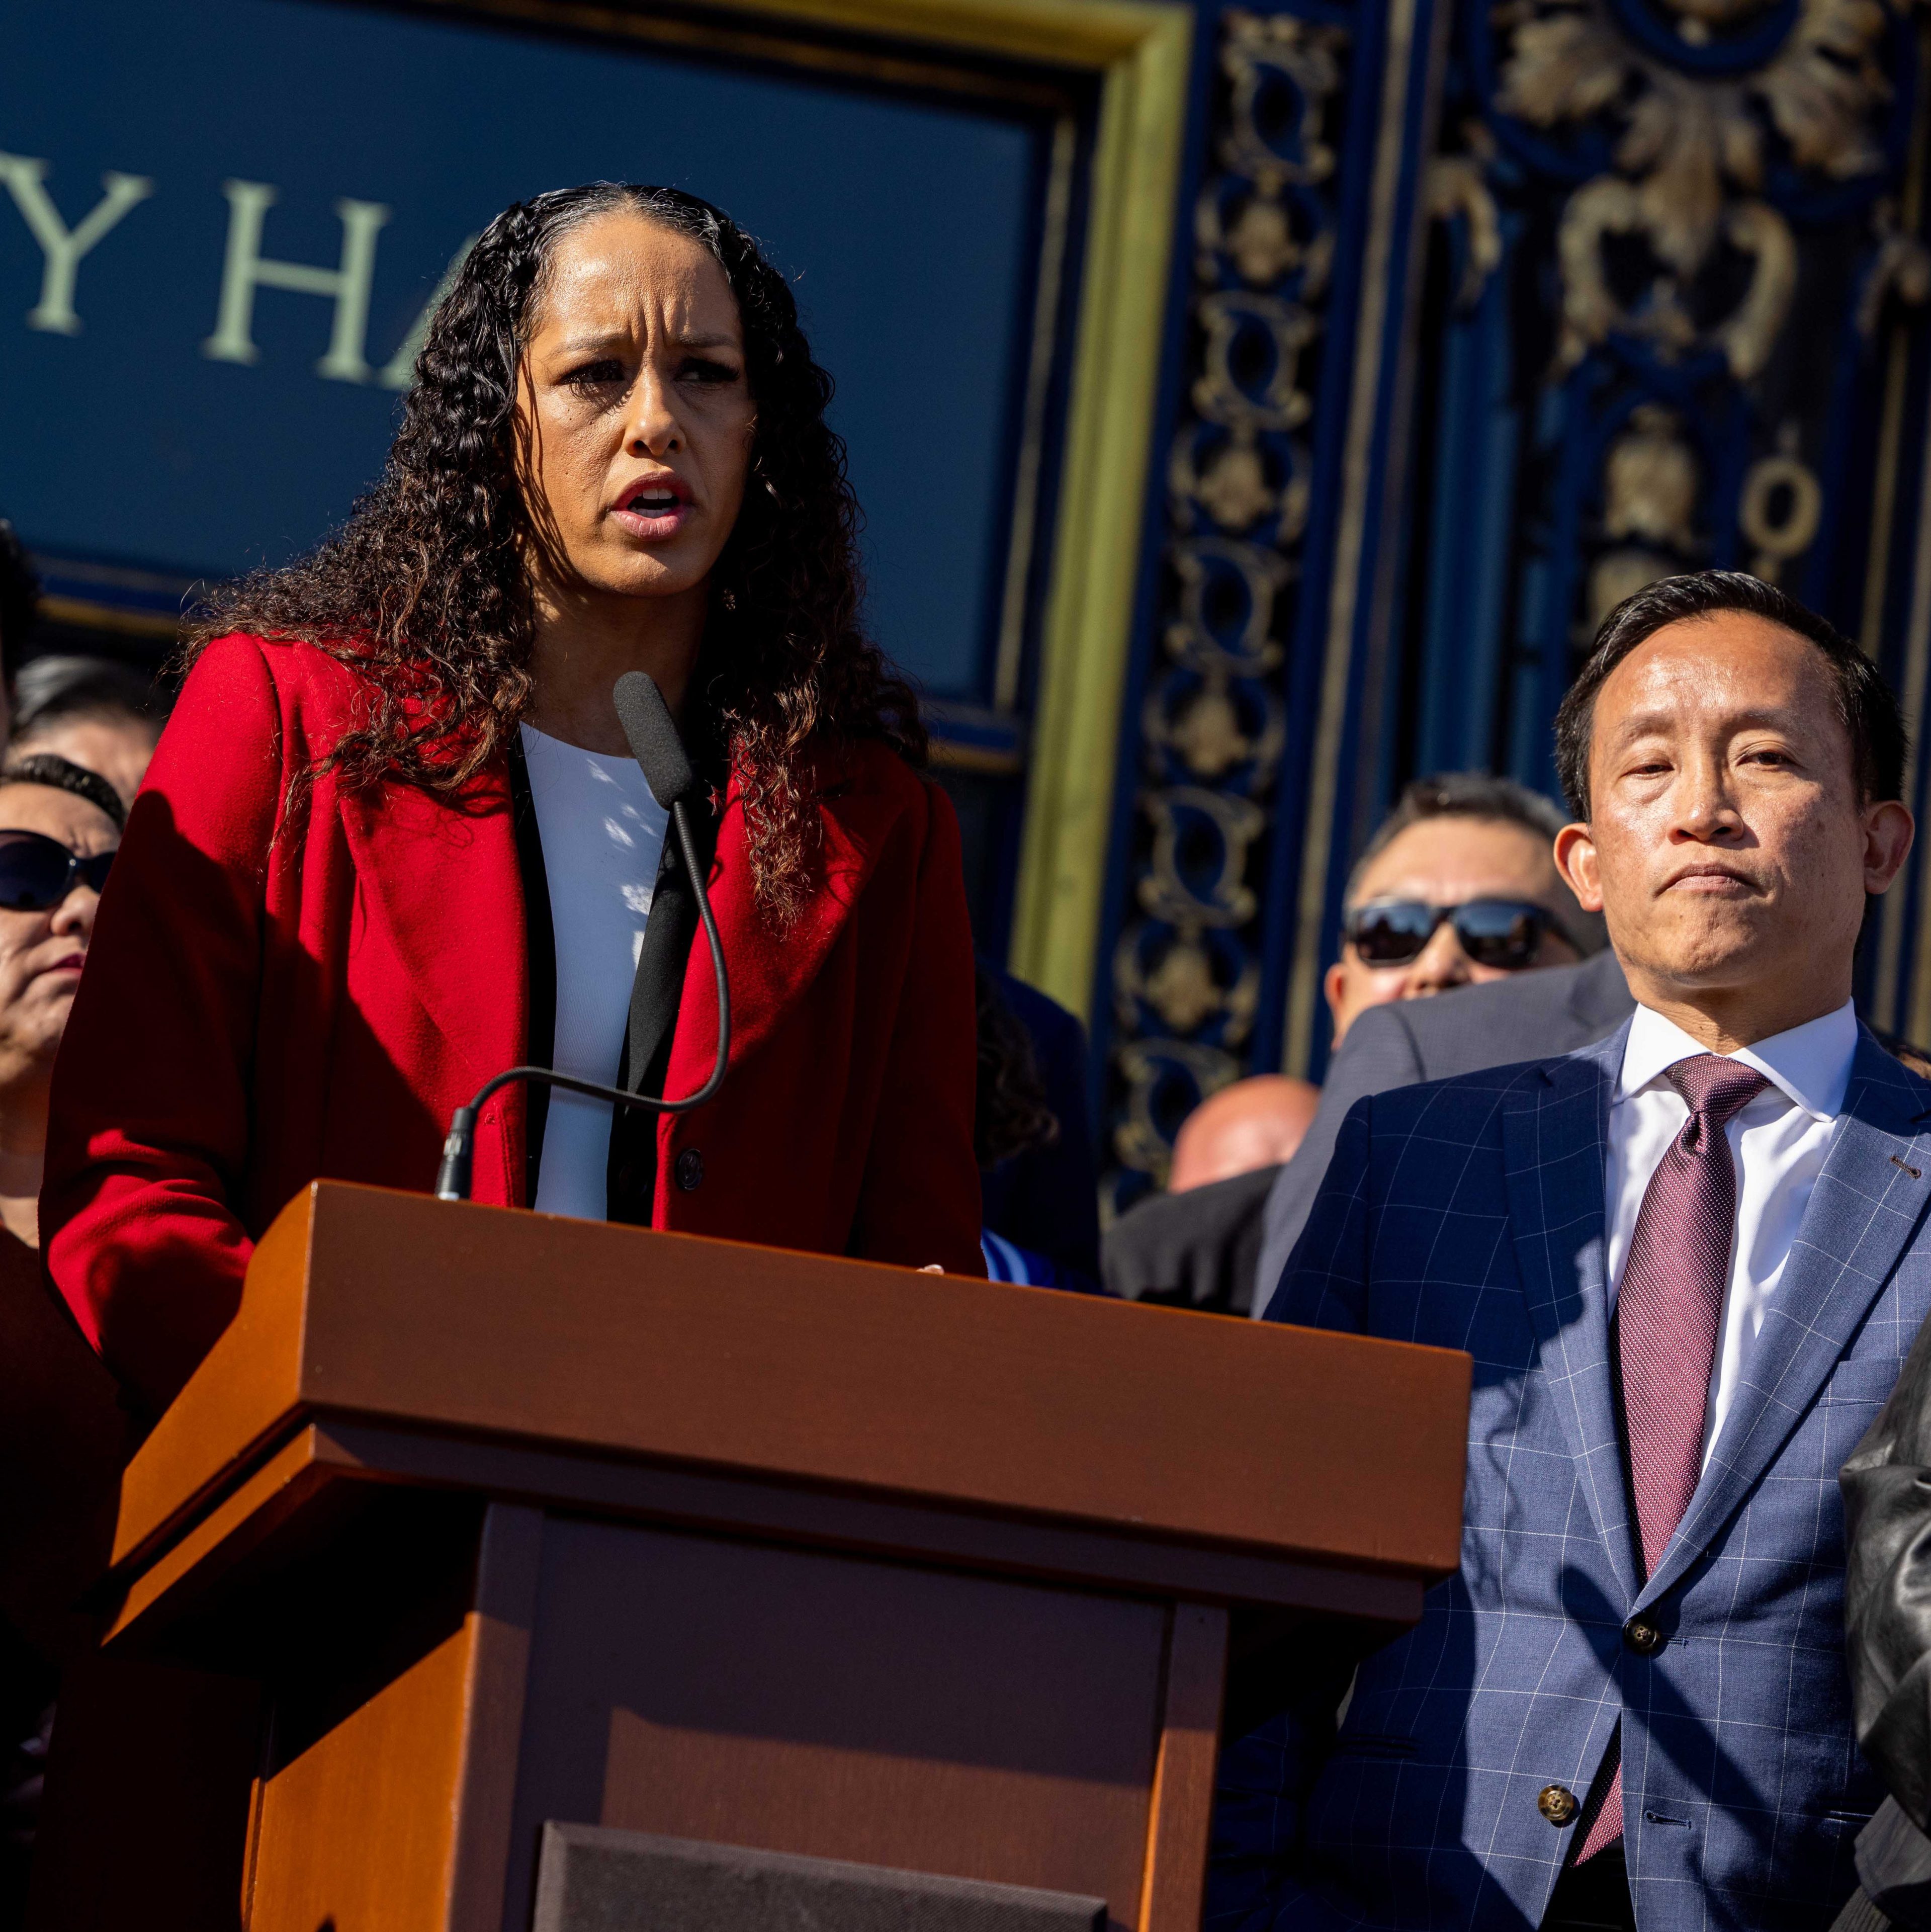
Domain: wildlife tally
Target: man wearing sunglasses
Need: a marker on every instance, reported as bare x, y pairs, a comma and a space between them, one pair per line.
1458, 887
1688, 1262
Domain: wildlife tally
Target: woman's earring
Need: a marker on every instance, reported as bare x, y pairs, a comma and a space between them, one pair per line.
728, 600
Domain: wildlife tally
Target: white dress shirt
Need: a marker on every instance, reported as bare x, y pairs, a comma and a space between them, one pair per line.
1778, 1142
603, 840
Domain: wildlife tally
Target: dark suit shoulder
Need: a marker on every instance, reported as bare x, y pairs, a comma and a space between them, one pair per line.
1552, 1012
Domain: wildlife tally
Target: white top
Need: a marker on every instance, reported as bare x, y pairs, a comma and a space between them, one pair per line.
1778, 1142
603, 840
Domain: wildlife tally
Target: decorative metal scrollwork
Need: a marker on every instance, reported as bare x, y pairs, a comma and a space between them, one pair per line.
1695, 204
1187, 969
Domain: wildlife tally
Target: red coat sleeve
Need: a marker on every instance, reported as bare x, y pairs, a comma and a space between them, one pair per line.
919, 1201
148, 1131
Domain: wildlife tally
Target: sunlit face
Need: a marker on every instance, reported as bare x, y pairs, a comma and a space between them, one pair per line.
1728, 845
1448, 861
635, 412
41, 952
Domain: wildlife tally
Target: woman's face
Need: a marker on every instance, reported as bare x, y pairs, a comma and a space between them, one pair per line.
636, 413
41, 952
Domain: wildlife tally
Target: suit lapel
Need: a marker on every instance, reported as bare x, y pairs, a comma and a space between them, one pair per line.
770, 972
1867, 1204
1555, 1142
441, 880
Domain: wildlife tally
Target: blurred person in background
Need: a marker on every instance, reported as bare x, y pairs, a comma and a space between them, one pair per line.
1197, 1245
1254, 1122
1035, 1147
59, 826
1457, 888
103, 715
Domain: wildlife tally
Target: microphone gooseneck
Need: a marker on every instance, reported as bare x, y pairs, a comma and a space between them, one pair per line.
659, 753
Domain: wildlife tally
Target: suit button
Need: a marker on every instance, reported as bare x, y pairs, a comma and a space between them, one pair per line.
1557, 1804
690, 1170
1645, 1638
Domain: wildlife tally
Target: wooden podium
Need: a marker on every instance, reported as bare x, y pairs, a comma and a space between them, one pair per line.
476, 1522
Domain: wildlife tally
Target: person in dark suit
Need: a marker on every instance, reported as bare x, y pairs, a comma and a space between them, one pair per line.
1196, 1244
1688, 1262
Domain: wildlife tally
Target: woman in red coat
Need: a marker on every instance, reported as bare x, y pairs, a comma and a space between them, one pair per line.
394, 842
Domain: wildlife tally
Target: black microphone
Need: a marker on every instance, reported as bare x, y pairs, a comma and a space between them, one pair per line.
659, 753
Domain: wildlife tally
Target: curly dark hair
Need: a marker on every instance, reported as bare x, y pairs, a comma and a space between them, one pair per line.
1011, 1115
425, 592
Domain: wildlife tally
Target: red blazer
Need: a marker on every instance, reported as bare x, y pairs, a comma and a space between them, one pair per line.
268, 1000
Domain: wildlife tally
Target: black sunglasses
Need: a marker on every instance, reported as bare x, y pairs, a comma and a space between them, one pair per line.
1505, 934
37, 872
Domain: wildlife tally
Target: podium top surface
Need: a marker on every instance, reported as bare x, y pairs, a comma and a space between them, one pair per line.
502, 1325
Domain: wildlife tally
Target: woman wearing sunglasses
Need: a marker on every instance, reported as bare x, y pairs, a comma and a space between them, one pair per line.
59, 826
394, 842
1458, 885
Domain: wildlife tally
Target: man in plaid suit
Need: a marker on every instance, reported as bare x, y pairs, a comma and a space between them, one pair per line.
1688, 1262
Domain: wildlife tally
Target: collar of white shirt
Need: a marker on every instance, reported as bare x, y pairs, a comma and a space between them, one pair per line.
1810, 1064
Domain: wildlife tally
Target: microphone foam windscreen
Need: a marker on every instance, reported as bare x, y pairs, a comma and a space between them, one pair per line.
653, 739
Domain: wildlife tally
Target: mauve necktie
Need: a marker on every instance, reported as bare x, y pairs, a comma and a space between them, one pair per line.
1669, 1309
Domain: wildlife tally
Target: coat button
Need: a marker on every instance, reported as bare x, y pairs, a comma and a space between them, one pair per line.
1557, 1804
1645, 1638
690, 1170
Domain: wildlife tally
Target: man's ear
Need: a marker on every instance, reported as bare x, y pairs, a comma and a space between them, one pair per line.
1332, 982
1575, 860
1889, 829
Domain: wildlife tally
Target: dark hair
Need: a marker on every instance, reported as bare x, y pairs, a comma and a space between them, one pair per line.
19, 600
1011, 1114
44, 768
424, 591
52, 688
1459, 795
1865, 703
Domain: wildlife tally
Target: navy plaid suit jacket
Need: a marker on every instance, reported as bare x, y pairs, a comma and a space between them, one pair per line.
1469, 1213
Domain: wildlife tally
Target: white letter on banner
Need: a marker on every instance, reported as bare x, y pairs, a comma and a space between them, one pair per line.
63, 247
399, 373
246, 269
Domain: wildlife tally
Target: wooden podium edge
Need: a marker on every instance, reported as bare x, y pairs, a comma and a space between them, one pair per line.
1175, 1878
266, 1378
325, 1451
246, 1394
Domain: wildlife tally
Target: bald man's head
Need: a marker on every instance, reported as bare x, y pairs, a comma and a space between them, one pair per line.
1256, 1122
